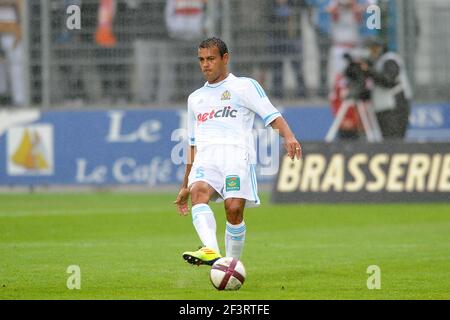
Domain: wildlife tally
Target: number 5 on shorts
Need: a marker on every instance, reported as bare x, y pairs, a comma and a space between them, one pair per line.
199, 173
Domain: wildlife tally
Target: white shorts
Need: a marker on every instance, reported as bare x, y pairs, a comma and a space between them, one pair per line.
228, 170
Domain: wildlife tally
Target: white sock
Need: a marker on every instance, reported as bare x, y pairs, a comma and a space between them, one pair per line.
205, 224
234, 239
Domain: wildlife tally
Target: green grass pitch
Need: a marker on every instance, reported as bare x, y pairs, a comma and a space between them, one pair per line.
128, 246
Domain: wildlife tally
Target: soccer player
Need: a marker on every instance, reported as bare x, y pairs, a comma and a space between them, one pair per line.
222, 156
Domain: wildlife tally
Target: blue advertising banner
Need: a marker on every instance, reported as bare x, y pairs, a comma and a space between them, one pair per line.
93, 147
145, 147
429, 123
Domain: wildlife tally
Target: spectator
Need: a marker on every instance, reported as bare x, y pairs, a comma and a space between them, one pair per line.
113, 77
186, 23
104, 35
392, 91
286, 41
185, 19
346, 19
319, 19
12, 47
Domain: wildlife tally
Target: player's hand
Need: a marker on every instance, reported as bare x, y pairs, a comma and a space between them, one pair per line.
182, 201
293, 148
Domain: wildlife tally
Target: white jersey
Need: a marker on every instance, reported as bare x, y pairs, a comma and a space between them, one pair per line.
345, 30
223, 113
185, 19
8, 14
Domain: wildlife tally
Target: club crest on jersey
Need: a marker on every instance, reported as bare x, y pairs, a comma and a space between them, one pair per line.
226, 95
232, 183
225, 112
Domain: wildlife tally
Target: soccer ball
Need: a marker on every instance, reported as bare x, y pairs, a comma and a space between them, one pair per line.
227, 274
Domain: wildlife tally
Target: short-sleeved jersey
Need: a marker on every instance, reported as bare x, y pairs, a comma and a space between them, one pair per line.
224, 112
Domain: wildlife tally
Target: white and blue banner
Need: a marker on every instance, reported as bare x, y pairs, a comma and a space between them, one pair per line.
87, 147
429, 123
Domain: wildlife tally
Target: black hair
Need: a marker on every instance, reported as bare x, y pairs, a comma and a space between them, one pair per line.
214, 42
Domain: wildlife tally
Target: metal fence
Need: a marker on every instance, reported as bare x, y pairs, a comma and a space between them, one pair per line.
146, 66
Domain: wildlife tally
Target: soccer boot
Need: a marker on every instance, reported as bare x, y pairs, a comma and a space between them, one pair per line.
204, 255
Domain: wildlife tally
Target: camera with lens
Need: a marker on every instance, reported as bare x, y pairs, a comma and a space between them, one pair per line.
357, 80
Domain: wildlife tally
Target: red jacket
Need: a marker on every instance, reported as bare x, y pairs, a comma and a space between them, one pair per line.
351, 121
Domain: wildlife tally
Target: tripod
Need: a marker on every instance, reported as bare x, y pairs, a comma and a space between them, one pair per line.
368, 118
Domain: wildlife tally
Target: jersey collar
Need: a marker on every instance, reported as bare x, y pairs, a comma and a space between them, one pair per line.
218, 84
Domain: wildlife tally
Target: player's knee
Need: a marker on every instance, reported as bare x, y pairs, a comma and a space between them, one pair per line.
199, 194
235, 213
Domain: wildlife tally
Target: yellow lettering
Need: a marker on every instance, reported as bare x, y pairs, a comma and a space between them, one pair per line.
396, 171
312, 170
356, 172
418, 170
434, 173
334, 177
377, 171
289, 177
444, 181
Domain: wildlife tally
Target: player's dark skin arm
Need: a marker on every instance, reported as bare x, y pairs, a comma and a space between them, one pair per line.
292, 146
183, 195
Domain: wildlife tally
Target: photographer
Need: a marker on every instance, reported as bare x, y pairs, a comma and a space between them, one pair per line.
350, 88
392, 92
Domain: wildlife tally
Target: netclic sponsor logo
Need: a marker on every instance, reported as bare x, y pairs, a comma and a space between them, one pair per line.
225, 112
